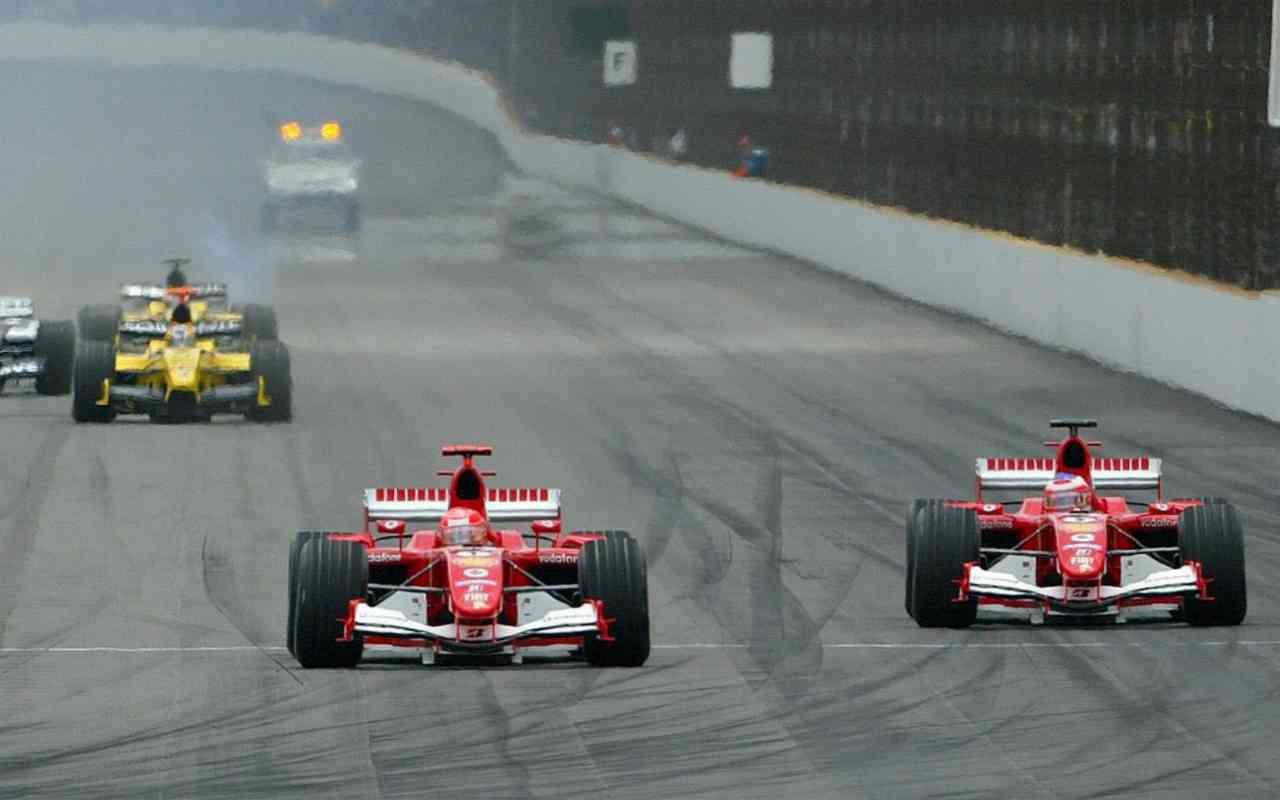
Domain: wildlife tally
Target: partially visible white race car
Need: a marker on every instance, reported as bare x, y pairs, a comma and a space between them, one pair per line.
311, 167
31, 350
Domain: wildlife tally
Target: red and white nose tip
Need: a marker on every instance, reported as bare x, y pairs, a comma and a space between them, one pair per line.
1082, 549
475, 582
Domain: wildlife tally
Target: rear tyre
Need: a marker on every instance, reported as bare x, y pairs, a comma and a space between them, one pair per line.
294, 548
329, 576
1213, 536
56, 343
946, 539
259, 323
613, 571
95, 362
99, 323
270, 362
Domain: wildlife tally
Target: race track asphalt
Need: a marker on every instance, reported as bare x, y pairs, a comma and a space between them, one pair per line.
758, 424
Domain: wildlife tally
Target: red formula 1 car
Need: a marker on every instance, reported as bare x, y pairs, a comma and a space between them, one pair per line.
464, 587
1071, 552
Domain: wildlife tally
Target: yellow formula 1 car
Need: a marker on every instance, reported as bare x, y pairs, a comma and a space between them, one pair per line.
149, 301
182, 371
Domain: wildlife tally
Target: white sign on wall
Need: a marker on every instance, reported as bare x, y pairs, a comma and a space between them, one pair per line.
751, 61
620, 64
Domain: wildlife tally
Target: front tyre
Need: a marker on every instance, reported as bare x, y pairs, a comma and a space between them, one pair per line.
946, 540
295, 547
613, 571
329, 576
95, 362
270, 364
913, 512
56, 344
1213, 536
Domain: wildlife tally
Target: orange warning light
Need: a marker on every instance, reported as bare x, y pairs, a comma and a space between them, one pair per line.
291, 131
331, 131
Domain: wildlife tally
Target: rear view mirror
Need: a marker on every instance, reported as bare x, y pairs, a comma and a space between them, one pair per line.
548, 526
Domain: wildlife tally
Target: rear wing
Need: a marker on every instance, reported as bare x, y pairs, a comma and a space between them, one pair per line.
429, 505
1034, 473
149, 328
142, 291
154, 291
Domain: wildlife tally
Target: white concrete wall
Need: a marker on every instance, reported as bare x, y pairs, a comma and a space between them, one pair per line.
1186, 332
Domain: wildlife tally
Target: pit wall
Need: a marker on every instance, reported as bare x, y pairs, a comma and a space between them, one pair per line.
1191, 333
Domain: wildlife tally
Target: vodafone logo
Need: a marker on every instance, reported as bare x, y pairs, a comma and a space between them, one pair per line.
557, 558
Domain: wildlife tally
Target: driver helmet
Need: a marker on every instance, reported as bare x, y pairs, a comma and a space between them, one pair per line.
176, 278
464, 526
181, 336
1065, 493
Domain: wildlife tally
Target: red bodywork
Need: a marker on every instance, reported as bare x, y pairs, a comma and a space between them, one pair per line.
1084, 561
480, 589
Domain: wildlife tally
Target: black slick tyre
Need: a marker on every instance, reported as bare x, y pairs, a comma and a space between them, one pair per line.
613, 571
56, 344
946, 539
1212, 536
95, 362
270, 362
294, 548
99, 322
910, 534
329, 576
259, 323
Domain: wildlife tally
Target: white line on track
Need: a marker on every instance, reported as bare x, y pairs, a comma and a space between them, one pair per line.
81, 650
697, 646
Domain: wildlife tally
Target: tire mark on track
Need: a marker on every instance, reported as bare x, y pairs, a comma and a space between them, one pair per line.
16, 548
1156, 705
219, 586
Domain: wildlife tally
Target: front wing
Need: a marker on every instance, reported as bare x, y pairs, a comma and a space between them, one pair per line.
391, 624
1170, 584
231, 398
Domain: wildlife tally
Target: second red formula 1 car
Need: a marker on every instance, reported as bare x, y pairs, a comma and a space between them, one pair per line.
1070, 551
463, 586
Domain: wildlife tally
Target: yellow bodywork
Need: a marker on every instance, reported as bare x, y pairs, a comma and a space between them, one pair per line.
196, 369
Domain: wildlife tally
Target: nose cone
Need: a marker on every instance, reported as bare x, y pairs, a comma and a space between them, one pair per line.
183, 367
1082, 545
475, 582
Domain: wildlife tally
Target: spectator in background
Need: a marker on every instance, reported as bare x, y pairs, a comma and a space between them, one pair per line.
754, 160
617, 136
678, 146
